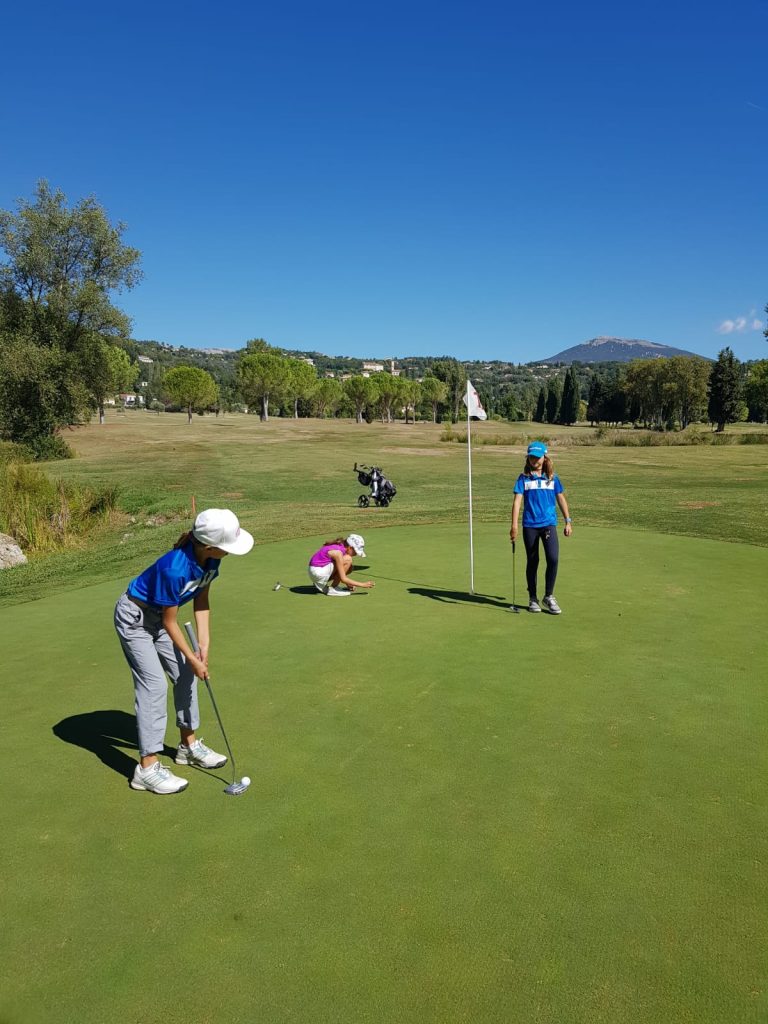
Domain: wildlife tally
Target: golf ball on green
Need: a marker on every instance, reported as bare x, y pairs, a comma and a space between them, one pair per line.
245, 780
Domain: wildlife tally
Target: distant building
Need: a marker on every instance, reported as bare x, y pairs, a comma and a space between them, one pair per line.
145, 359
132, 401
372, 367
307, 360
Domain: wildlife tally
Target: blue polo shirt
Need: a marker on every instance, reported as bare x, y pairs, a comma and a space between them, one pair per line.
539, 498
174, 579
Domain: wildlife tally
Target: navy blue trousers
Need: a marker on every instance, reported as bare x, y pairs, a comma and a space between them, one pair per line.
548, 537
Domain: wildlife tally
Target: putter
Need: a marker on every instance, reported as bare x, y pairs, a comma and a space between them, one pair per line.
238, 786
513, 607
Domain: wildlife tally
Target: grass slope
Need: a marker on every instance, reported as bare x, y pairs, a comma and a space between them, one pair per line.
457, 814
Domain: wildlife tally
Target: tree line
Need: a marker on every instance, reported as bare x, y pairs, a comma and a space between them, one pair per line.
65, 349
266, 379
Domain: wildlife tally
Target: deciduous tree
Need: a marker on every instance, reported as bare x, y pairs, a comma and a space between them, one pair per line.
107, 370
756, 391
62, 266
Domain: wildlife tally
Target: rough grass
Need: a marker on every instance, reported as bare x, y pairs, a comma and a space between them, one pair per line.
44, 514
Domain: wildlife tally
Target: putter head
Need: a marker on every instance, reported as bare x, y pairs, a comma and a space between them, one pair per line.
237, 788
514, 608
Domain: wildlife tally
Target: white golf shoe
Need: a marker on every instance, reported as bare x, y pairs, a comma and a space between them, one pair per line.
551, 605
533, 605
337, 592
157, 779
199, 756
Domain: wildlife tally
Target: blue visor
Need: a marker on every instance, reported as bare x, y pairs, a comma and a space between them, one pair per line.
537, 449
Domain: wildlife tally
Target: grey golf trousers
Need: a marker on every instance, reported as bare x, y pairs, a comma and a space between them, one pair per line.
151, 655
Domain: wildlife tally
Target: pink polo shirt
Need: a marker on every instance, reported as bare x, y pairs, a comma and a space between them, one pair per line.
321, 558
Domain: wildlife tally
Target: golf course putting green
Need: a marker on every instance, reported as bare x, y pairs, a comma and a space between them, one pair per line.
456, 814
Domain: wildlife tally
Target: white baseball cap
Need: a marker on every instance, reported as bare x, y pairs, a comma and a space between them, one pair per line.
356, 542
219, 528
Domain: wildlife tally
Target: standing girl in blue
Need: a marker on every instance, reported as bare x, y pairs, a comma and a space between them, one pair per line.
541, 492
155, 647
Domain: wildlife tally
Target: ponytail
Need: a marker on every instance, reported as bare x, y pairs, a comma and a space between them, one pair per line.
183, 540
337, 540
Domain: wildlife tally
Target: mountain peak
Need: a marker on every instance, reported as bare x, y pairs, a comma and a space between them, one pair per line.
606, 349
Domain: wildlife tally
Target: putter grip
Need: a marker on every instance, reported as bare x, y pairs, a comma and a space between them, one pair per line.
191, 636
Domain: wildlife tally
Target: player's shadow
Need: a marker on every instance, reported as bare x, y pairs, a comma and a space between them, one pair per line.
107, 734
459, 597
308, 589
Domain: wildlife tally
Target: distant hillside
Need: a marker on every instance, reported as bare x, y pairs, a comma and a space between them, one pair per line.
618, 350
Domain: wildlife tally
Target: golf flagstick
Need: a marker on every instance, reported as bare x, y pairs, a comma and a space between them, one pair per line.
235, 788
513, 607
474, 408
469, 475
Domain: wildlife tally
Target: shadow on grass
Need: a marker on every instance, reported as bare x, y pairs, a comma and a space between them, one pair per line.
304, 590
106, 734
459, 597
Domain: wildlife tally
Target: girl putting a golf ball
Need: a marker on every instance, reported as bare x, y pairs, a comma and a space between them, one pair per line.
155, 647
540, 492
330, 566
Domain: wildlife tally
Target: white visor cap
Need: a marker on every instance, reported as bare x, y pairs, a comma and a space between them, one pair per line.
220, 528
357, 544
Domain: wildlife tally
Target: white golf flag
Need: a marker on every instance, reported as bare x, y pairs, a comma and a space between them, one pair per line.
474, 408
472, 402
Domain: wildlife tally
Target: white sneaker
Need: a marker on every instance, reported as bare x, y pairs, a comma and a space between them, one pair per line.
533, 605
157, 779
337, 592
552, 606
199, 755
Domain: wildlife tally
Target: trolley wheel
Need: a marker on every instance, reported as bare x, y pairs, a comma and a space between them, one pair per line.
382, 502
363, 501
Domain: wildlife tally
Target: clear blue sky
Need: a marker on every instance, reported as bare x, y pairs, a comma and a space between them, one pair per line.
500, 180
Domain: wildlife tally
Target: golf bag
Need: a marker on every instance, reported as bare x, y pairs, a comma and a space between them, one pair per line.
382, 490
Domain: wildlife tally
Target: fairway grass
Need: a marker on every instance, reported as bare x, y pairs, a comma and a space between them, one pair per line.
457, 814
293, 478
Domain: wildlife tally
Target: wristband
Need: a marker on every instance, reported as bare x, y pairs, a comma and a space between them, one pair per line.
568, 519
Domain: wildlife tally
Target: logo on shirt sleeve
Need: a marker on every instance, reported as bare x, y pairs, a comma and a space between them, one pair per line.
199, 584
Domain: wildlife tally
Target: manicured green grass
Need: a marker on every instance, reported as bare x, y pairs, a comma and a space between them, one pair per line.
457, 814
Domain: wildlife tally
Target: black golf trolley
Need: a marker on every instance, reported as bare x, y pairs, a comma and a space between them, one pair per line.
382, 489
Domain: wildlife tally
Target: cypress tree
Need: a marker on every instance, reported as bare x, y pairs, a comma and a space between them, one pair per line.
724, 390
541, 407
569, 407
596, 400
553, 402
